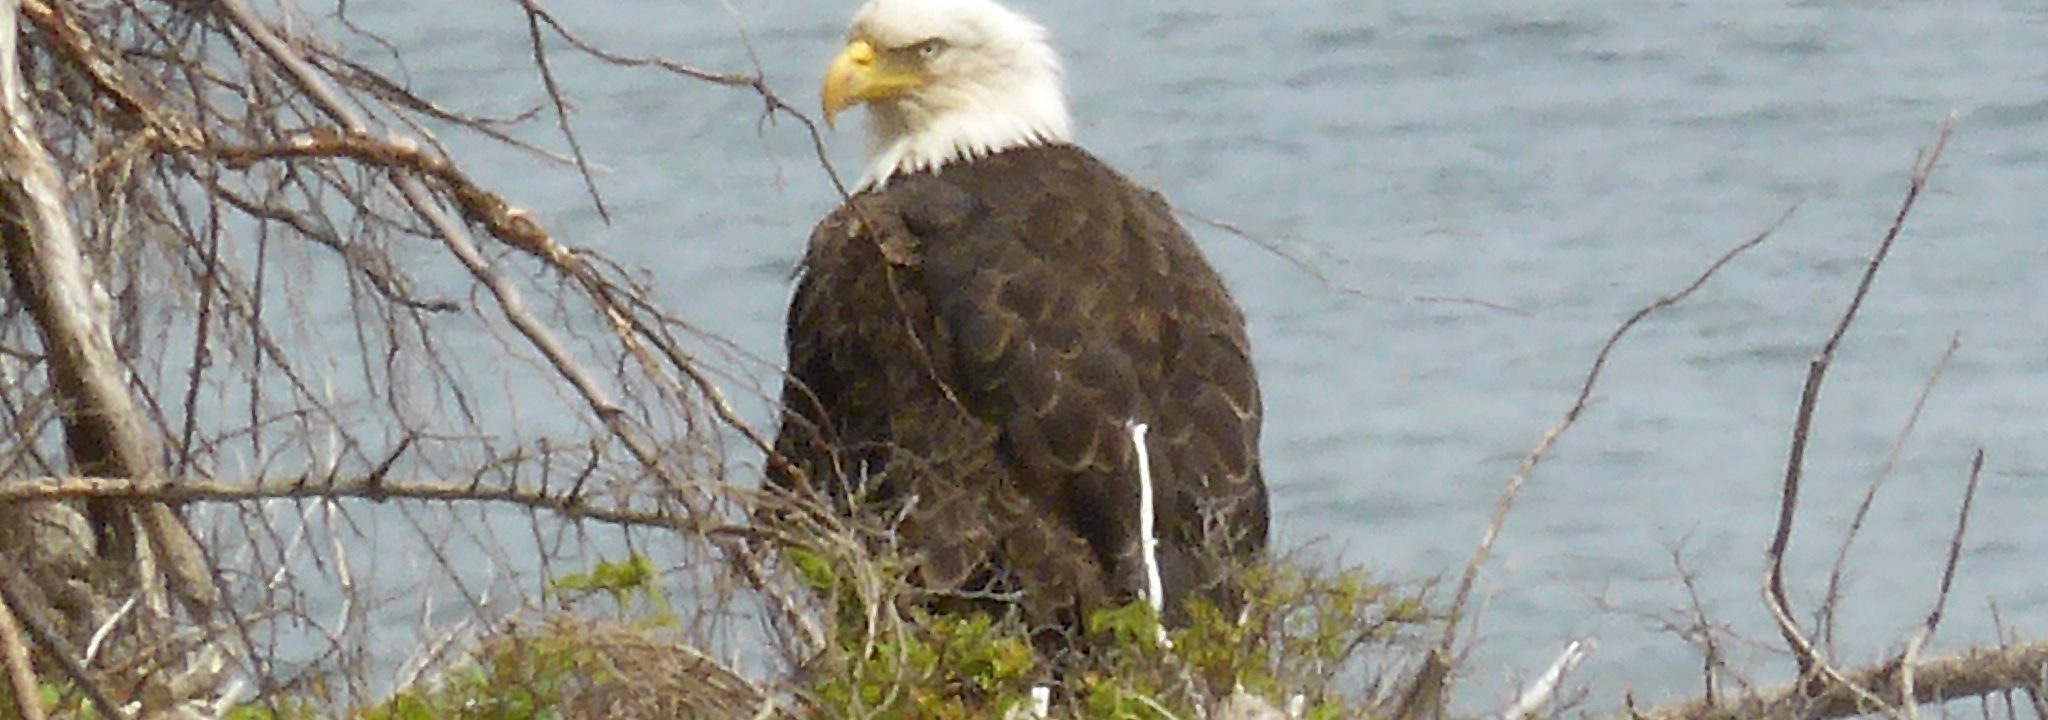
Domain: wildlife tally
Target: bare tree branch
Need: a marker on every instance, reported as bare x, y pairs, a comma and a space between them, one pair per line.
560, 99
375, 488
104, 432
1911, 656
1810, 661
21, 675
1976, 672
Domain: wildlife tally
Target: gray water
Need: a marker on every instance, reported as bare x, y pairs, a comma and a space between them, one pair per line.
1574, 161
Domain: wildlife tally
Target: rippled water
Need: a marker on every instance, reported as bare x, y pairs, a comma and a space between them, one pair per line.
1574, 162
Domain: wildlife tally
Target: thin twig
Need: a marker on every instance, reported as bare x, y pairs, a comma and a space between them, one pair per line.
1884, 470
560, 99
1809, 397
756, 82
1955, 546
1911, 656
1709, 645
371, 487
1324, 279
106, 629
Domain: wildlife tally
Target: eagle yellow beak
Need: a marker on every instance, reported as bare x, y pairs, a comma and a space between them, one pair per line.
857, 76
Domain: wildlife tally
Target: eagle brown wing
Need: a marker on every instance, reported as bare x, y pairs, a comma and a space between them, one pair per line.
983, 337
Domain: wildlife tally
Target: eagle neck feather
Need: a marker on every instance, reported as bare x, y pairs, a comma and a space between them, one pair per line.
910, 139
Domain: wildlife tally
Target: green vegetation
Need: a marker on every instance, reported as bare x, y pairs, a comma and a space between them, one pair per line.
614, 647
1301, 632
518, 676
61, 699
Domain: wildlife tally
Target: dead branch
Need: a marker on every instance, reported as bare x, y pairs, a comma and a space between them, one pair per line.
1973, 673
1810, 661
104, 431
21, 675
1323, 278
568, 505
1911, 656
560, 100
219, 156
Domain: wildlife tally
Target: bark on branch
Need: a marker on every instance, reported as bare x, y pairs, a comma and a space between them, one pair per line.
103, 429
373, 488
1976, 672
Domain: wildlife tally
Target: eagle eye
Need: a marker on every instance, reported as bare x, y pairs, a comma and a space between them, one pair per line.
929, 48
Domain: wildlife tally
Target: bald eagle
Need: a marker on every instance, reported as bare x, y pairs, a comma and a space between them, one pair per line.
977, 332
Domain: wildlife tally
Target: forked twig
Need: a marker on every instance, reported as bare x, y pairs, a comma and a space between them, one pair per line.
559, 98
1809, 659
757, 82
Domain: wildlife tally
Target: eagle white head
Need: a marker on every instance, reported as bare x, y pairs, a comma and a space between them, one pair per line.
946, 80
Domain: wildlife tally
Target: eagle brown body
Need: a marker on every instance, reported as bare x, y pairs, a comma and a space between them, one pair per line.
968, 349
